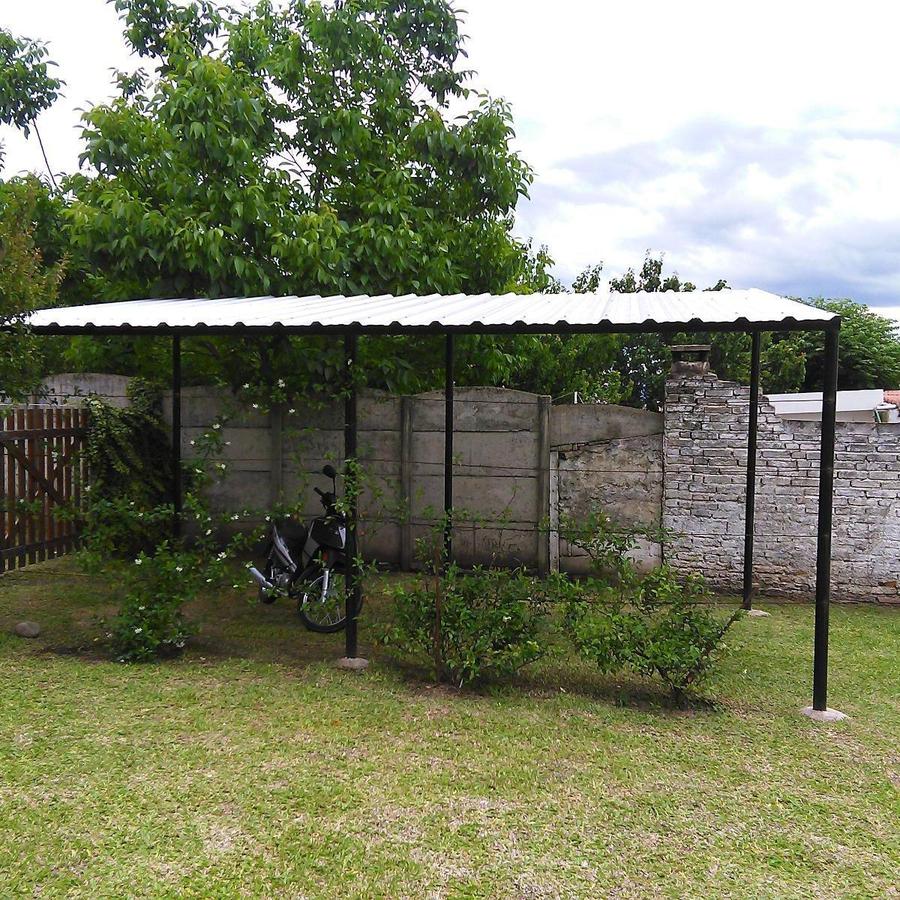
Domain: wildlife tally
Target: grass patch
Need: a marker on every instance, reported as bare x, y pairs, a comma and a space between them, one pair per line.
252, 767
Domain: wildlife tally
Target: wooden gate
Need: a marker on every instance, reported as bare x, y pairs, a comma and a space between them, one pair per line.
41, 476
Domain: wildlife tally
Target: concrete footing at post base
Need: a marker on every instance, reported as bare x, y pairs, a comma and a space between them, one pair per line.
353, 663
824, 715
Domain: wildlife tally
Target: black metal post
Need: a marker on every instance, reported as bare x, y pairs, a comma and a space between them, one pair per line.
351, 487
750, 497
448, 448
826, 498
176, 436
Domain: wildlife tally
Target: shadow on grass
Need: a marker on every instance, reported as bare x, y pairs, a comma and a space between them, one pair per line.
234, 625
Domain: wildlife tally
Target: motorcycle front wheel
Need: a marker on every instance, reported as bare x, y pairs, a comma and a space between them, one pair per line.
322, 600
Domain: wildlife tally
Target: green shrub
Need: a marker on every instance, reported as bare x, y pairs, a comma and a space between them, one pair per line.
663, 627
470, 625
658, 625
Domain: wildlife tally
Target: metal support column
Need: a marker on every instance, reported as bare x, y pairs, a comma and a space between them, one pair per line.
176, 436
750, 497
826, 498
448, 448
351, 488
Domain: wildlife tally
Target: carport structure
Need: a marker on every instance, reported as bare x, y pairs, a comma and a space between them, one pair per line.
749, 311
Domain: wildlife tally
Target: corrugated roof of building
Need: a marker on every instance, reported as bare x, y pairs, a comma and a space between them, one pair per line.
437, 313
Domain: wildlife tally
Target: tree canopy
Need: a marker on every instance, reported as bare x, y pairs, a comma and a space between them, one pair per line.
313, 148
301, 149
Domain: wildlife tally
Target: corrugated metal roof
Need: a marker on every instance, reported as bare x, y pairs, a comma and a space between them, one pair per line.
410, 313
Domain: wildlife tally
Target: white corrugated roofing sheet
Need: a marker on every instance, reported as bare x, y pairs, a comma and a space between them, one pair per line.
386, 313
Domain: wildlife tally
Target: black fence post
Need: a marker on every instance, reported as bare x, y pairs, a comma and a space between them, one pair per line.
826, 503
351, 472
177, 487
750, 498
448, 447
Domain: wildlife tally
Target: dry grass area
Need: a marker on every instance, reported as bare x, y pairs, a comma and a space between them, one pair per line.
252, 767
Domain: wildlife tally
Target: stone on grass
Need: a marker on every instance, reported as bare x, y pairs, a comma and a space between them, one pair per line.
27, 629
353, 663
758, 614
824, 715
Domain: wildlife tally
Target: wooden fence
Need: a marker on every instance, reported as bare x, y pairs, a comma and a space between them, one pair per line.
41, 477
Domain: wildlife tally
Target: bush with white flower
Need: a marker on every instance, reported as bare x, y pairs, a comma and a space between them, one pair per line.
127, 530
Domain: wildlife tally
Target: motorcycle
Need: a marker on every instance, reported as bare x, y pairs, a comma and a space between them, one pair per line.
308, 563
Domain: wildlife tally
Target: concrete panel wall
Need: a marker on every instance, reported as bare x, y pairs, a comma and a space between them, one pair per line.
500, 479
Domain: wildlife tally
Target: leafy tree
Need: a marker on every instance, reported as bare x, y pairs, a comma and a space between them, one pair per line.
869, 351
26, 86
301, 149
26, 283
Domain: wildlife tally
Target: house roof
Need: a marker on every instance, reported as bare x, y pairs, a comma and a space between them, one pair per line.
714, 310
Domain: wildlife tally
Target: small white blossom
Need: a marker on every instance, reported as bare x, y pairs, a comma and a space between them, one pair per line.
138, 630
216, 426
255, 405
178, 569
137, 562
292, 410
247, 385
280, 382
193, 443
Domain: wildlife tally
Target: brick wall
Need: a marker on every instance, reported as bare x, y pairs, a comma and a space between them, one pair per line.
705, 454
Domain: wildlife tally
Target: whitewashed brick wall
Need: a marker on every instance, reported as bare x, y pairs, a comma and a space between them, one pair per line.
705, 455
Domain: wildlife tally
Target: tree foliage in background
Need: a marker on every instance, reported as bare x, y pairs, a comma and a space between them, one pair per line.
26, 283
300, 149
308, 148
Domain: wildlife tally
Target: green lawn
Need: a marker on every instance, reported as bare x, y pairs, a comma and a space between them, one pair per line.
253, 767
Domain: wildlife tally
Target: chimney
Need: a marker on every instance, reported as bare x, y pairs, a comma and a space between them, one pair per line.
690, 360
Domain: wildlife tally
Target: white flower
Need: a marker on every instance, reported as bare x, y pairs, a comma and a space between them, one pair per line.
292, 410
280, 382
178, 569
255, 405
235, 517
142, 607
193, 443
222, 555
247, 385
208, 532
137, 562
217, 426
138, 630
209, 580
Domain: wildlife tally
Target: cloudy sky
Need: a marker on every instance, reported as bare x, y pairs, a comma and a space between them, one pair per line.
755, 142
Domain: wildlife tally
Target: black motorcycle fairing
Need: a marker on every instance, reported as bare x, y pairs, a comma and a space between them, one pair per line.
329, 533
294, 535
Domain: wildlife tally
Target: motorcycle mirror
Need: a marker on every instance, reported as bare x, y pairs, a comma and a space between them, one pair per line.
329, 472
